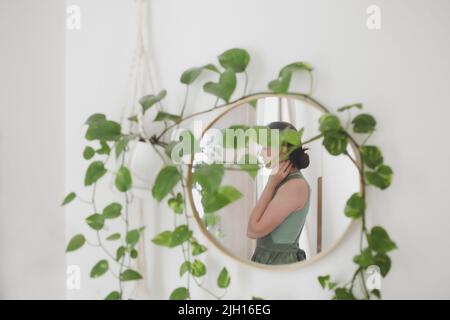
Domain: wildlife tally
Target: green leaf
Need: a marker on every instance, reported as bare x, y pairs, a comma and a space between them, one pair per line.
180, 293
166, 180
222, 197
113, 296
104, 148
365, 258
329, 122
350, 106
130, 275
211, 219
148, 101
249, 164
324, 280
180, 235
114, 236
88, 153
132, 237
355, 206
371, 156
224, 279
112, 210
176, 203
198, 268
343, 294
290, 136
381, 177
133, 119
121, 145
94, 118
69, 198
104, 130
133, 253
76, 243
364, 123
236, 59
96, 221
282, 83
383, 261
120, 252
376, 293
163, 239
190, 75
326, 283
379, 240
197, 248
95, 171
161, 116
225, 87
335, 142
99, 269
253, 103
123, 179
208, 176
185, 267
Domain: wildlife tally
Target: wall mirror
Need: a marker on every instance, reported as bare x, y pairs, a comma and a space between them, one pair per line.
332, 180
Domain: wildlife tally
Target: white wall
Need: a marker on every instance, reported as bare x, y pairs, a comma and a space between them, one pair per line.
32, 230
400, 72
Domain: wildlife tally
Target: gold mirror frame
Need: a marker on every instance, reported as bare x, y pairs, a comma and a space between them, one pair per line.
198, 219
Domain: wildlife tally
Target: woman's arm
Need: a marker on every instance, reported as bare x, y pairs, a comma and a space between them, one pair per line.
290, 196
258, 220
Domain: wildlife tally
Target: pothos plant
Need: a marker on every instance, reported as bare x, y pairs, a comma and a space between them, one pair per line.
114, 141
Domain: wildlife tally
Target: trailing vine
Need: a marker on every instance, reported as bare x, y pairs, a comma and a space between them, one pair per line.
171, 182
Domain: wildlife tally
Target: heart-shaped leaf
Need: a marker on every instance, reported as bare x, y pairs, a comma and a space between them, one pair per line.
335, 142
282, 83
96, 221
104, 130
161, 115
371, 156
381, 177
364, 123
379, 240
190, 75
355, 206
112, 210
225, 87
95, 171
236, 59
166, 180
150, 100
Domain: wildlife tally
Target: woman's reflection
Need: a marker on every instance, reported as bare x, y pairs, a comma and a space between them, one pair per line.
279, 215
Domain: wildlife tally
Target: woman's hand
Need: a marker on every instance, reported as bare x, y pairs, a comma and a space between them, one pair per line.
278, 173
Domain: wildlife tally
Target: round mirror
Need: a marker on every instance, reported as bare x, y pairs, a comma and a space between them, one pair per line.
230, 188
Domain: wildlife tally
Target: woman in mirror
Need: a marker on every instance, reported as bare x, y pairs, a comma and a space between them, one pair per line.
279, 215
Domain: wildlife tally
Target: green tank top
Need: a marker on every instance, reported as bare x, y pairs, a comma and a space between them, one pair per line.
290, 229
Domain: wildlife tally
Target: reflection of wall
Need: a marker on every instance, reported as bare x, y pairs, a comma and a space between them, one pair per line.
234, 216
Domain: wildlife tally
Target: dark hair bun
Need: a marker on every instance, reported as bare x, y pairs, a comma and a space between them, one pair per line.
299, 158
